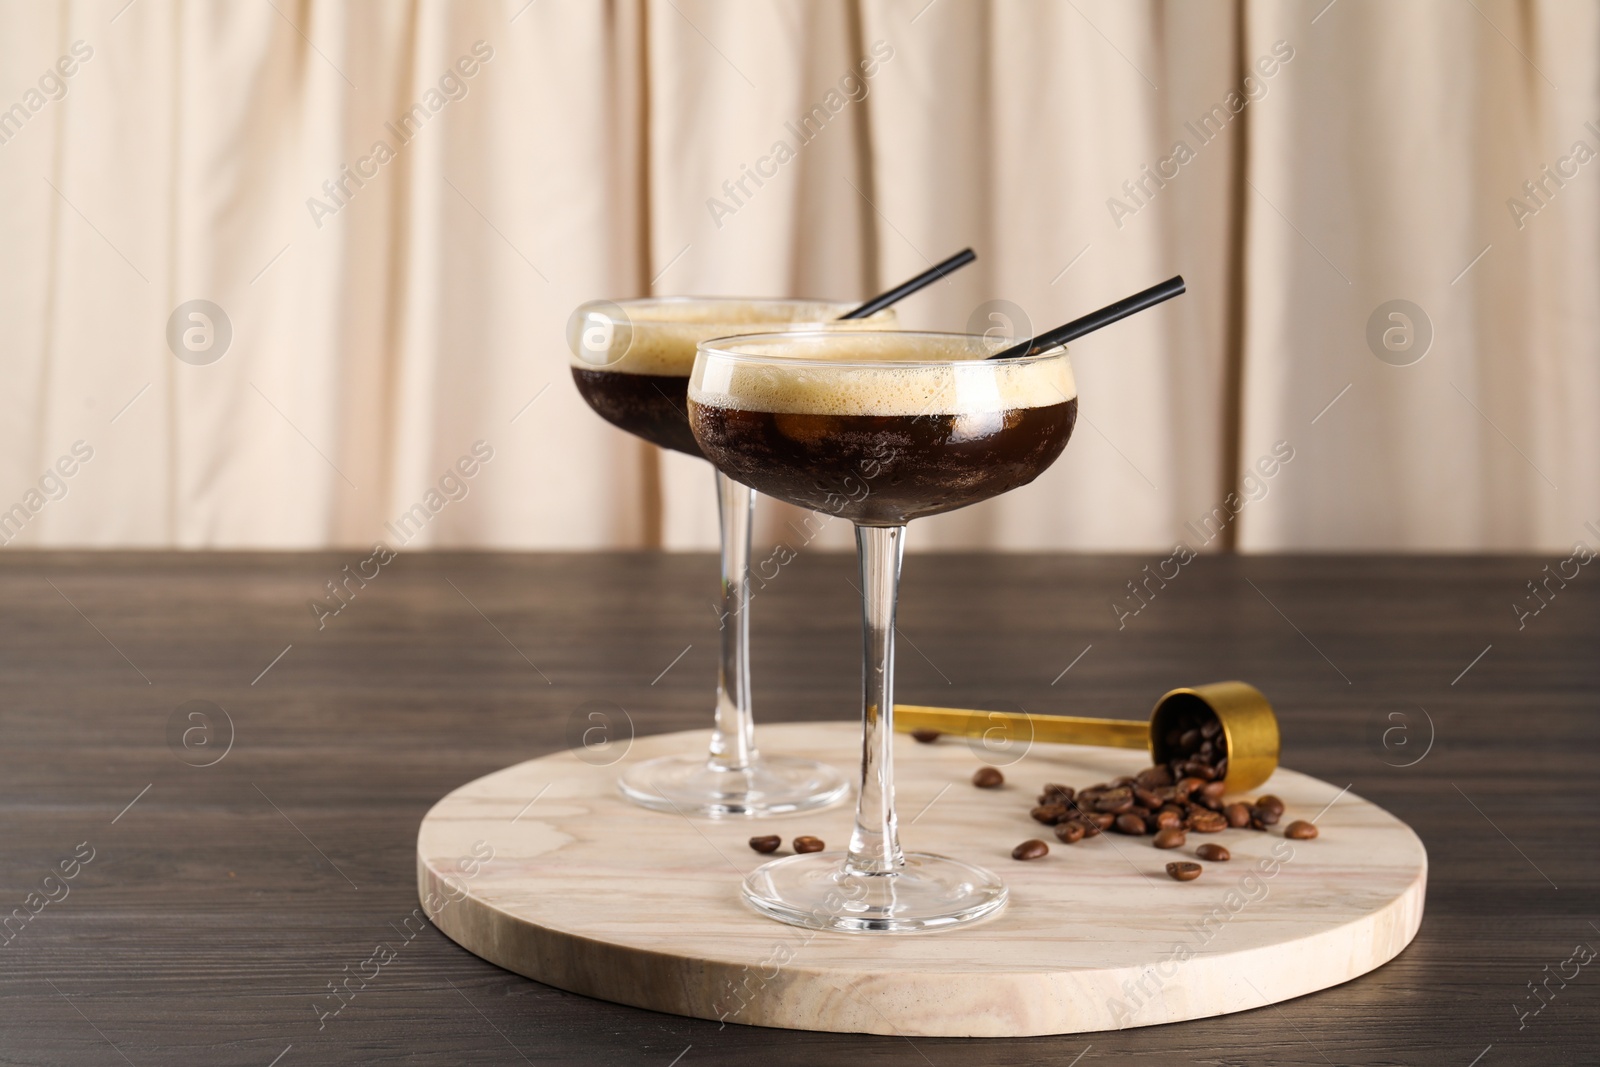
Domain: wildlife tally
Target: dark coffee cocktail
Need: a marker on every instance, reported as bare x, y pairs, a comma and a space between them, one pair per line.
891, 443
879, 428
631, 363
884, 470
651, 406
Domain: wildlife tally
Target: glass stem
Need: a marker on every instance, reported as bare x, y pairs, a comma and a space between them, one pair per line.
875, 844
733, 736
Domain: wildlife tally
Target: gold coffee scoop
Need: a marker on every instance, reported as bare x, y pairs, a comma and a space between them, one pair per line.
1250, 728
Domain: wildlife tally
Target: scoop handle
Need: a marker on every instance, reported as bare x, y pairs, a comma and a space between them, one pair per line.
1016, 726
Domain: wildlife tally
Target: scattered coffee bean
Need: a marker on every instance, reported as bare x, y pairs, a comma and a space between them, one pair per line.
1238, 815
1129, 824
1116, 802
1057, 794
1265, 816
1030, 850
1213, 853
1205, 822
1213, 790
1270, 803
1167, 819
1146, 799
988, 778
925, 735
1171, 837
1183, 871
769, 843
1154, 778
1070, 833
1049, 814
808, 844
1100, 820
1300, 830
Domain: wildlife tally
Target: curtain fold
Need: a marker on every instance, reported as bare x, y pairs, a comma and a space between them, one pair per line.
390, 211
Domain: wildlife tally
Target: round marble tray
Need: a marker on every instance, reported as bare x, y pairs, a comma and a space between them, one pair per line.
543, 869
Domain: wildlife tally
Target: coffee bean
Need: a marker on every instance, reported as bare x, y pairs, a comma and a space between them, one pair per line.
1199, 769
1171, 837
769, 843
1213, 853
1100, 820
1265, 816
808, 843
1056, 794
1222, 767
1271, 803
1300, 830
1123, 782
1238, 815
1190, 740
1187, 786
1166, 819
1213, 790
1145, 798
1153, 778
988, 778
1183, 871
1206, 822
1031, 849
925, 735
1117, 801
1071, 832
1129, 824
1211, 727
1049, 814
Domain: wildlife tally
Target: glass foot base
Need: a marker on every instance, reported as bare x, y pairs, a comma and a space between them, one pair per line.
928, 893
772, 785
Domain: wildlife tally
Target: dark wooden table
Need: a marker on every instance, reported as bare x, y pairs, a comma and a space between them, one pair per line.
221, 900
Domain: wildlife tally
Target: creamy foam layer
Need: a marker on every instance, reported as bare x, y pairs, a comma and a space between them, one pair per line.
660, 336
821, 380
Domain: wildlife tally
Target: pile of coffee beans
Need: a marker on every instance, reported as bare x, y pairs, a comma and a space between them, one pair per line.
1166, 802
1151, 803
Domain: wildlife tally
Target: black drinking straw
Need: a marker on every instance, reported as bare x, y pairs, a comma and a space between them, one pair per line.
905, 289
1128, 305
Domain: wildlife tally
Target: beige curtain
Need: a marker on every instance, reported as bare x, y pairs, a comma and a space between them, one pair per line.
395, 316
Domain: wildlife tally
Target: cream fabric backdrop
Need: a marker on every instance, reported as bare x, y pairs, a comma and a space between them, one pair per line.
374, 344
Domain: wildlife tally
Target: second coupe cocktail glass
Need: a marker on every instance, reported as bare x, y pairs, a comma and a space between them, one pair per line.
881, 428
631, 362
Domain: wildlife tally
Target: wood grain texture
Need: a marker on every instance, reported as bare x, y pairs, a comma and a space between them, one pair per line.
542, 869
207, 926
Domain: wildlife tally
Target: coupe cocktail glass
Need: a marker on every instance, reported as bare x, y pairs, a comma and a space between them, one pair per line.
880, 428
631, 361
